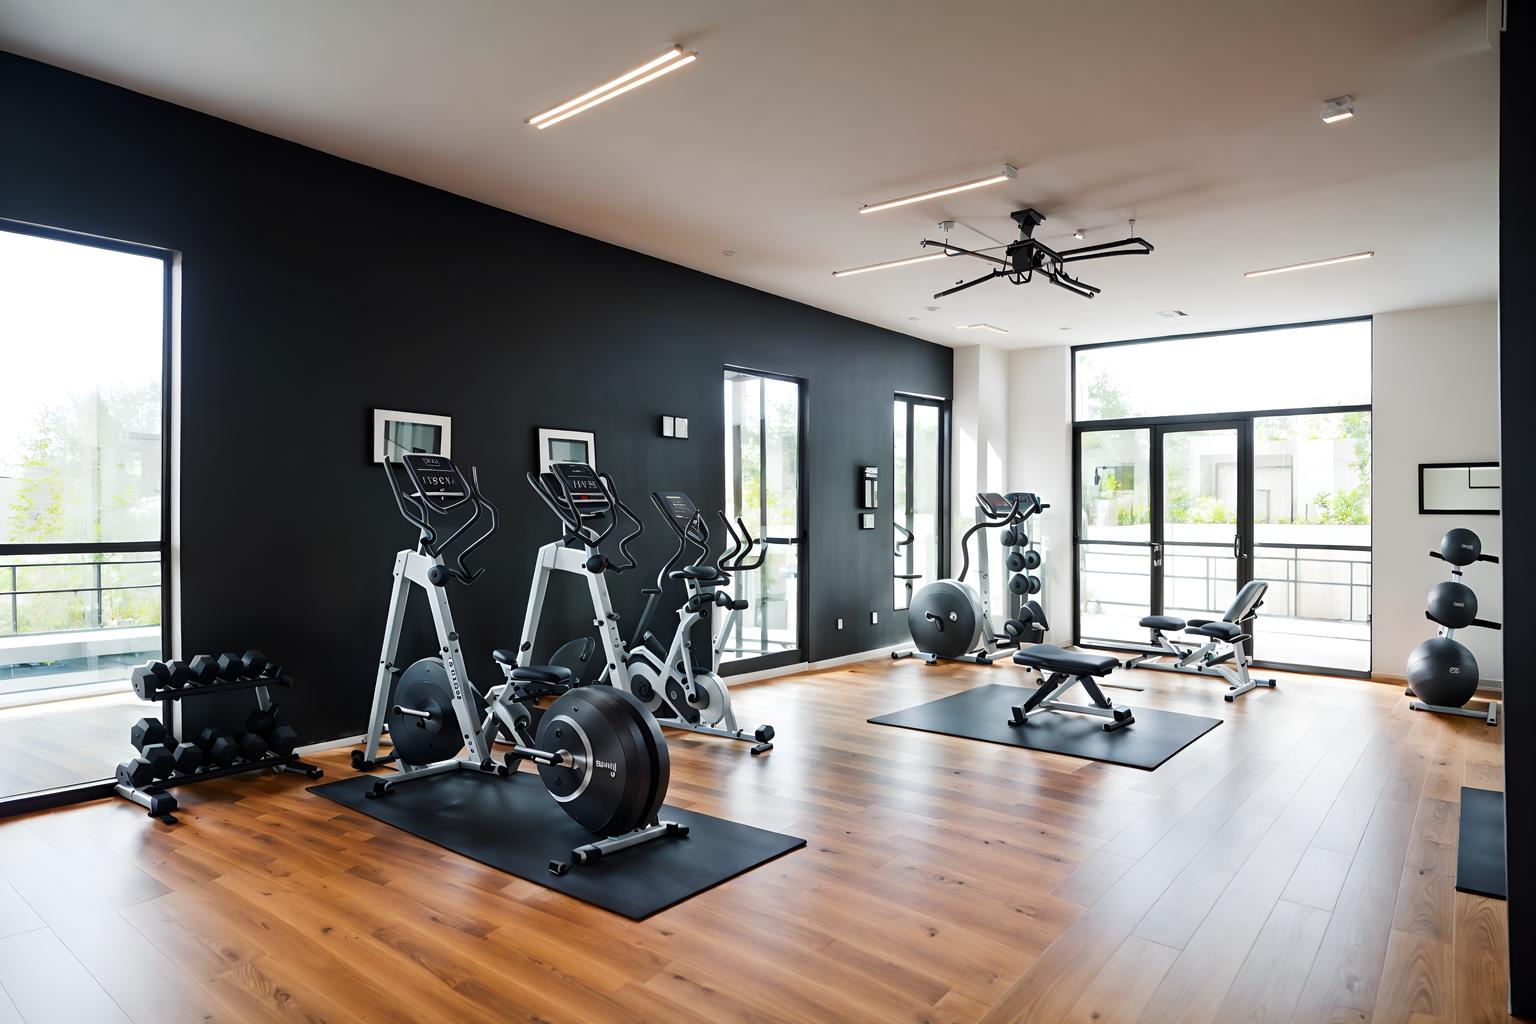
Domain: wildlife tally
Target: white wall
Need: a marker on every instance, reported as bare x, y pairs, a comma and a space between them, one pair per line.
980, 422
1435, 398
1039, 382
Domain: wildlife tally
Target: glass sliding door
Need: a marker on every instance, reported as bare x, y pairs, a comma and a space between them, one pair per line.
762, 486
83, 518
1116, 553
1174, 517
1312, 538
919, 451
1201, 521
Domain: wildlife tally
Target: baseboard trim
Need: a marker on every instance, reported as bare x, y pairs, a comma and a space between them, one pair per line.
1492, 686
816, 666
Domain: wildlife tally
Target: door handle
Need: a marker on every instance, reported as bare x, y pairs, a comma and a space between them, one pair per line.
1237, 547
1157, 555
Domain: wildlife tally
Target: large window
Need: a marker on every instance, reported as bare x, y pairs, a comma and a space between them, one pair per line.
1302, 367
763, 487
82, 482
919, 488
1188, 488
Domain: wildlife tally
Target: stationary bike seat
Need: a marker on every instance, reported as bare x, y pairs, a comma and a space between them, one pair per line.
554, 674
695, 572
1162, 622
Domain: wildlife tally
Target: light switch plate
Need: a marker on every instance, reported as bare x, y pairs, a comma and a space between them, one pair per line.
874, 618
668, 426
681, 423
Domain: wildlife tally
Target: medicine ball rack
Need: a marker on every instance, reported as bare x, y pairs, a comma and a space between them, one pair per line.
169, 682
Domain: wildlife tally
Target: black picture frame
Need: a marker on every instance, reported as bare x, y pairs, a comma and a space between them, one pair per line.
1468, 466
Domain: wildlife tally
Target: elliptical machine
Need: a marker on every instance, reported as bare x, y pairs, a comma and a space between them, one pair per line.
581, 498
599, 753
680, 694
952, 620
1442, 673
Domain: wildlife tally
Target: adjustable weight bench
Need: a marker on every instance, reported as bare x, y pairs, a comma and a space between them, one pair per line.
1068, 669
1222, 651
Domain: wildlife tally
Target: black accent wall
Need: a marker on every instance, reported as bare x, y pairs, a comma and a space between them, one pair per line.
314, 289
1517, 414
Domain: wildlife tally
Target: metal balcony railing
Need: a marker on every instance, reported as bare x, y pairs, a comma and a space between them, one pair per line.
10, 572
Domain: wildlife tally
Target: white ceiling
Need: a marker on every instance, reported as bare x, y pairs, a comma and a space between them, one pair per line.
1198, 117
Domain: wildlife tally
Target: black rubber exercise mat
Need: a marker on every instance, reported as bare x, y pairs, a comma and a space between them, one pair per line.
514, 825
982, 714
1480, 848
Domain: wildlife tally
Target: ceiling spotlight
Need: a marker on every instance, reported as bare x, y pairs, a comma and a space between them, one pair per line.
980, 327
1005, 173
1340, 108
1330, 261
727, 252
1079, 234
888, 264
649, 71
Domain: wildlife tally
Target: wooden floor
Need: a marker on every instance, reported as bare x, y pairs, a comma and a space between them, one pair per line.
1295, 864
66, 742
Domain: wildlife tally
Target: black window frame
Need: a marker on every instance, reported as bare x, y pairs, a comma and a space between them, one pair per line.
1161, 424
941, 562
27, 802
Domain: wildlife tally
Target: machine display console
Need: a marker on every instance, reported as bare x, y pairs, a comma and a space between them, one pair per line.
994, 503
437, 480
579, 484
677, 507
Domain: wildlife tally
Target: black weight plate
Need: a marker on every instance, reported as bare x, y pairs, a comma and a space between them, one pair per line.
610, 788
656, 754
1015, 561
1031, 559
959, 634
424, 687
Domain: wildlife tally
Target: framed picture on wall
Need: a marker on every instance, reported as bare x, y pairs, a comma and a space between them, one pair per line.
566, 446
1459, 488
396, 432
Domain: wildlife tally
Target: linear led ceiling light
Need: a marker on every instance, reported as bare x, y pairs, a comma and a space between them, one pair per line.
1330, 261
651, 70
980, 327
1005, 173
888, 264
1340, 108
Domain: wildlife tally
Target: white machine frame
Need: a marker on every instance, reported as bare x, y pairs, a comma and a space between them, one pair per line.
415, 568
1226, 657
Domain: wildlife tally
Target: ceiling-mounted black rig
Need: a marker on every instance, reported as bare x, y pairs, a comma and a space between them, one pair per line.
1022, 259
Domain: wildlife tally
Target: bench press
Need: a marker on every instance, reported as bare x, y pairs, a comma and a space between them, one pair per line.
1222, 651
1060, 671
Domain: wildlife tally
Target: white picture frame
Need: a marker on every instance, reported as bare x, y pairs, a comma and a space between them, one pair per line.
556, 445
395, 432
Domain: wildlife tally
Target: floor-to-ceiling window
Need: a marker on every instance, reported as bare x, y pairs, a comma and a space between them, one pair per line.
83, 519
918, 487
763, 486
1209, 460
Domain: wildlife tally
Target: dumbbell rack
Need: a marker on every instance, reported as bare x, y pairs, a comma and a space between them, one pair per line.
155, 798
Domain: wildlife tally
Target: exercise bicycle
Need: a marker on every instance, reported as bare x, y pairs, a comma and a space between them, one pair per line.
588, 507
680, 694
1223, 649
951, 620
598, 752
